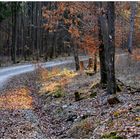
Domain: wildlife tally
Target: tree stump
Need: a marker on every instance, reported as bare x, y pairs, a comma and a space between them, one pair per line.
90, 63
77, 96
113, 100
95, 63
81, 66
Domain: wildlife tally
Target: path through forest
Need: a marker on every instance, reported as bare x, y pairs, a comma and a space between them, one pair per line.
8, 72
25, 114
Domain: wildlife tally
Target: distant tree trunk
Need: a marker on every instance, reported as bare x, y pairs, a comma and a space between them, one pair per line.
23, 31
110, 49
40, 30
52, 44
37, 30
103, 71
33, 28
90, 63
14, 31
133, 12
95, 62
82, 65
76, 57
123, 33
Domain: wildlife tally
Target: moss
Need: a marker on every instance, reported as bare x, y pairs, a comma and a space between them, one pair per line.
116, 114
93, 95
58, 93
110, 123
138, 125
119, 88
137, 119
59, 110
111, 135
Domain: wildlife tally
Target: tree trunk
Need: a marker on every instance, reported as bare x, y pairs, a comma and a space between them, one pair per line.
133, 12
82, 65
110, 49
90, 63
95, 62
76, 58
14, 31
103, 71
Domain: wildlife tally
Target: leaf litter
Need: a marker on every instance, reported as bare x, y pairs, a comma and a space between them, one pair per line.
27, 113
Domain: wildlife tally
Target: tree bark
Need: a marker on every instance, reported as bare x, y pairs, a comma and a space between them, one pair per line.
103, 71
14, 31
75, 53
110, 49
95, 62
133, 12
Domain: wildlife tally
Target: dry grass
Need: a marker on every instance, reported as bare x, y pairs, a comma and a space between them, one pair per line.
51, 80
136, 54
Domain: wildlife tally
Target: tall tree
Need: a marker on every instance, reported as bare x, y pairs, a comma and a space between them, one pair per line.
110, 49
132, 16
103, 72
14, 31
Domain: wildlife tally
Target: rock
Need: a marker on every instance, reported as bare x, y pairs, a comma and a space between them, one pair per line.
82, 129
119, 88
90, 72
84, 116
113, 100
73, 107
71, 117
93, 94
2, 129
64, 106
136, 110
77, 96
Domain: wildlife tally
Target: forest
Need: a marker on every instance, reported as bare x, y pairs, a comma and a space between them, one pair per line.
69, 70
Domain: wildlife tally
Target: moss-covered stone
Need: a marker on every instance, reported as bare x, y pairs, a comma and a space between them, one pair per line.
58, 93
93, 94
111, 135
119, 88
113, 100
81, 130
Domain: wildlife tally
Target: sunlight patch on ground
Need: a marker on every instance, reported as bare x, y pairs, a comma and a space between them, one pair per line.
16, 99
50, 81
136, 54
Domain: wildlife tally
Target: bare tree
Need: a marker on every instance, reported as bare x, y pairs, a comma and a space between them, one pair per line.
14, 31
132, 16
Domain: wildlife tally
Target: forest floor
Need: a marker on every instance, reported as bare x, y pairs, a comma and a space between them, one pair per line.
42, 104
